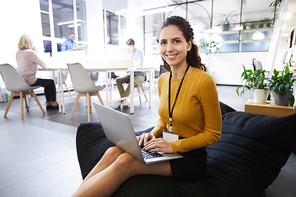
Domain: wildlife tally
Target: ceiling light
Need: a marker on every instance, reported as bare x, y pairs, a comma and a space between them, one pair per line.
214, 29
153, 11
138, 9
79, 24
238, 27
288, 15
258, 36
68, 22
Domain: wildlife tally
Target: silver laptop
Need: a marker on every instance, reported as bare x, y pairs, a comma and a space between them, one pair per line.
119, 130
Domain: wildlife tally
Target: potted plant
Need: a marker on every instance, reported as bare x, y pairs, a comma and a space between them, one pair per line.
209, 47
227, 19
254, 81
268, 21
282, 86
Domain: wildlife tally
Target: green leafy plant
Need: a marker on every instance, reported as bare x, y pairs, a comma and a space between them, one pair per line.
232, 17
282, 83
276, 4
248, 23
268, 21
209, 47
252, 80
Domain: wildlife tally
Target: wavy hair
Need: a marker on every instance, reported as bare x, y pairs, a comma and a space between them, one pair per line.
25, 41
193, 57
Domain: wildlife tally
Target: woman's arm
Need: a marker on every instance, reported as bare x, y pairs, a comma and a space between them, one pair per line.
37, 60
160, 125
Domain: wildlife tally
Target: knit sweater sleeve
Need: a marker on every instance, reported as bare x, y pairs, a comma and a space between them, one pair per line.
161, 124
35, 59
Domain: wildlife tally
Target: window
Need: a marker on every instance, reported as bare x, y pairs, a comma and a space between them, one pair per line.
151, 30
58, 18
236, 27
114, 28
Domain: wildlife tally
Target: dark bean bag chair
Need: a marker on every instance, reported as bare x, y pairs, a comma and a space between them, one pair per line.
243, 163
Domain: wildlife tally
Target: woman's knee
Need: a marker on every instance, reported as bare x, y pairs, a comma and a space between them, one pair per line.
51, 82
114, 151
125, 162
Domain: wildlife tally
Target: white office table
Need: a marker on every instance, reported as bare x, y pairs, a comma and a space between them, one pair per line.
61, 95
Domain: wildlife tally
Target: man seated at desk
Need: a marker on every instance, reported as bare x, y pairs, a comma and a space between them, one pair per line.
139, 76
69, 44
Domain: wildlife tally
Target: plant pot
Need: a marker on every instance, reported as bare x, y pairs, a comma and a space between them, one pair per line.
282, 100
260, 95
226, 27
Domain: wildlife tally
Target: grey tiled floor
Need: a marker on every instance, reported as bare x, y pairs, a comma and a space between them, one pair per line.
38, 154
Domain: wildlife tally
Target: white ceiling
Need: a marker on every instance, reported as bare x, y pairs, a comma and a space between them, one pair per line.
290, 23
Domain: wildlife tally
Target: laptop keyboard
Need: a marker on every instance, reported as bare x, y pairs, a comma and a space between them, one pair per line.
147, 154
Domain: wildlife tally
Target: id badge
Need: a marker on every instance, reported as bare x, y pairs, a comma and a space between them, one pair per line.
168, 136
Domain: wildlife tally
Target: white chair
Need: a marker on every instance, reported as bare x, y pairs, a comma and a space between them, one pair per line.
18, 87
256, 64
64, 78
84, 86
138, 86
94, 76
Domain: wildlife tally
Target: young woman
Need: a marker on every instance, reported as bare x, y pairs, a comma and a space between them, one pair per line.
189, 107
28, 61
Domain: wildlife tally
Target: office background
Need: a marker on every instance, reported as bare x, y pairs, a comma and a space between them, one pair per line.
92, 30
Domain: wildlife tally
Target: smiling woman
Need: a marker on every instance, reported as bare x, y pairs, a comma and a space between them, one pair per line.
194, 118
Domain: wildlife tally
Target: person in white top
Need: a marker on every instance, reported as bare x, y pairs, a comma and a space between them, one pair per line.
27, 61
139, 76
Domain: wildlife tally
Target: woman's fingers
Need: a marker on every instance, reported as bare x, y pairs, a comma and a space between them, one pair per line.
140, 139
159, 145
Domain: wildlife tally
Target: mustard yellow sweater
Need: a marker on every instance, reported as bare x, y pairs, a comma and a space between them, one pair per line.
196, 115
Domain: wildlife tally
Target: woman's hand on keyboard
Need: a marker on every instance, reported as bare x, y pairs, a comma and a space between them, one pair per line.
145, 137
159, 145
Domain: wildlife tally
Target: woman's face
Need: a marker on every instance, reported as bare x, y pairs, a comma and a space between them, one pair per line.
173, 46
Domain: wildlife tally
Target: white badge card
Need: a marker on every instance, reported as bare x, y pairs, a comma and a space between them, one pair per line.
168, 136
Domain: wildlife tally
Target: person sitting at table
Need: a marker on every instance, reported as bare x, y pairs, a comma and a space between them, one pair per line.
27, 61
139, 76
69, 44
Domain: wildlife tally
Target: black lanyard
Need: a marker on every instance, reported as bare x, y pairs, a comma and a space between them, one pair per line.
171, 112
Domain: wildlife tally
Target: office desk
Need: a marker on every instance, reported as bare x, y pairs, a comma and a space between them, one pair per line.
60, 92
132, 94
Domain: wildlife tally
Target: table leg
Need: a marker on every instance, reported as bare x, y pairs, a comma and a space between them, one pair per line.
60, 92
152, 78
151, 85
107, 88
109, 82
132, 107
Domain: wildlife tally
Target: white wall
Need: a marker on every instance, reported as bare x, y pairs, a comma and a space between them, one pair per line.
18, 17
226, 68
94, 28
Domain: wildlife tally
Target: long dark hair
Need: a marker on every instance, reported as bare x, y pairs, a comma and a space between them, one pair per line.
193, 58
